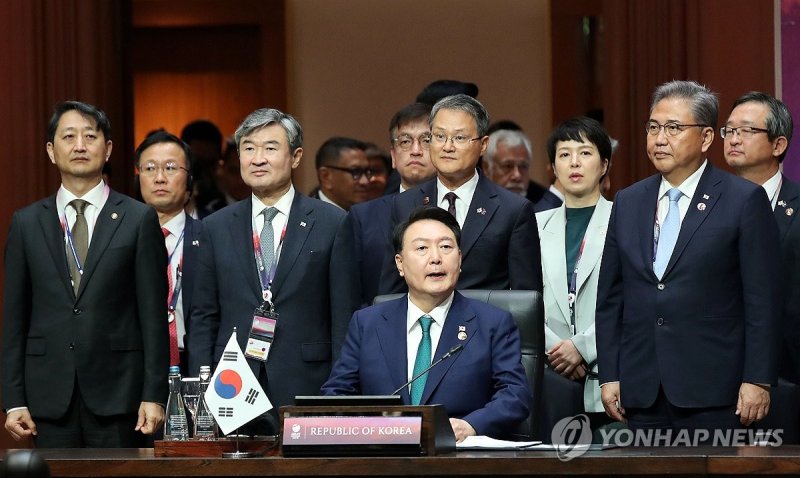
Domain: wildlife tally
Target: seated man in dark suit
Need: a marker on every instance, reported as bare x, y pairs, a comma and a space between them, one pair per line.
483, 388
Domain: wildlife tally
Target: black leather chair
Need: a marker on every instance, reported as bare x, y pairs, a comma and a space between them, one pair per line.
527, 309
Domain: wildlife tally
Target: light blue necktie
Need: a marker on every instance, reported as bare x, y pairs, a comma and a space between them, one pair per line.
423, 359
668, 235
267, 238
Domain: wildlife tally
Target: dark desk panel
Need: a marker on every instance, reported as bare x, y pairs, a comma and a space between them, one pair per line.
628, 461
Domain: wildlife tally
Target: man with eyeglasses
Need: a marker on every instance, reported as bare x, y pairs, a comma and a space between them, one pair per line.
85, 349
756, 137
164, 165
500, 245
343, 172
409, 137
507, 161
688, 296
277, 260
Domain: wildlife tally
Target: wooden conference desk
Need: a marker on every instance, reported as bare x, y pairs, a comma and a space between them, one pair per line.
699, 461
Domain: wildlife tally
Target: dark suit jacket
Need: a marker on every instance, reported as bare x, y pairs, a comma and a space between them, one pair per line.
535, 192
191, 246
485, 384
499, 241
711, 322
547, 202
372, 227
112, 339
786, 212
315, 292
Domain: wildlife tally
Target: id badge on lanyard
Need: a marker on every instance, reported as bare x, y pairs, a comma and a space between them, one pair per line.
265, 319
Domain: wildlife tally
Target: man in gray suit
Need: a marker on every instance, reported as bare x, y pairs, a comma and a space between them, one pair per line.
280, 256
85, 346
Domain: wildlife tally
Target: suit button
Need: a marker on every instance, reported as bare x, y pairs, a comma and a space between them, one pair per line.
660, 286
72, 346
660, 321
76, 311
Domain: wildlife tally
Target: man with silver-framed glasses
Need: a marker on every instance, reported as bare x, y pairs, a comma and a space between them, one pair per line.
343, 172
164, 178
756, 138
687, 303
500, 243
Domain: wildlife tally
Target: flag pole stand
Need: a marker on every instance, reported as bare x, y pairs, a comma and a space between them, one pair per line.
238, 453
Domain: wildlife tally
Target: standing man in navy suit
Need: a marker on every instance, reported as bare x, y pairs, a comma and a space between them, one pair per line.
280, 252
756, 137
688, 302
85, 350
500, 244
409, 136
483, 387
164, 167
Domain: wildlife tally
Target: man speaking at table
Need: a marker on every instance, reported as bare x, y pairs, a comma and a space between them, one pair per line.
482, 385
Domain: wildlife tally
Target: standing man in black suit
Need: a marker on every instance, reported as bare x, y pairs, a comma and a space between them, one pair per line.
281, 251
164, 167
84, 343
500, 242
688, 298
409, 136
756, 137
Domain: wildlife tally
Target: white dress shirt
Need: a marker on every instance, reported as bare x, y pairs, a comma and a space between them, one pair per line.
464, 195
414, 329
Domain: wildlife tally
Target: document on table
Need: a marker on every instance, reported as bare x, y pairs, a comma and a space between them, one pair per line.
483, 442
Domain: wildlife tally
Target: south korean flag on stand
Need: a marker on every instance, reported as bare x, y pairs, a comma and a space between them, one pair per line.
234, 395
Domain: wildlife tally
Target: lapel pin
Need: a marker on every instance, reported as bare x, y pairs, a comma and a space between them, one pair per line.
302, 224
196, 243
705, 196
481, 211
701, 206
462, 332
789, 211
114, 215
782, 203
426, 200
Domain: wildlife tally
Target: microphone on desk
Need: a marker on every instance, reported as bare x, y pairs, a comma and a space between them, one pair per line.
456, 349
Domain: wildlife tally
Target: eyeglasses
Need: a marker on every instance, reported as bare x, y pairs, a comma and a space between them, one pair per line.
508, 168
406, 142
459, 140
742, 131
152, 169
670, 129
355, 172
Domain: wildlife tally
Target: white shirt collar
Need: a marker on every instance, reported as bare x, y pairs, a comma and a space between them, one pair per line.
465, 192
438, 314
284, 204
95, 197
176, 224
687, 187
772, 186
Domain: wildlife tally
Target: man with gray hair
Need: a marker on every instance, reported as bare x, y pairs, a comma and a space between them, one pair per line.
688, 301
274, 260
507, 161
500, 245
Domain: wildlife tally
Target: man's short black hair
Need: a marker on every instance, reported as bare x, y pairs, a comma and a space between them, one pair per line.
85, 109
443, 88
162, 136
423, 213
328, 154
203, 130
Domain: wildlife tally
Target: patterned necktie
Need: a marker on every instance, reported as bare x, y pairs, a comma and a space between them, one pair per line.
423, 359
668, 235
451, 199
174, 354
80, 241
267, 238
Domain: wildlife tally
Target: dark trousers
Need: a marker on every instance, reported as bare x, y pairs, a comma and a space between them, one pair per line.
663, 415
80, 428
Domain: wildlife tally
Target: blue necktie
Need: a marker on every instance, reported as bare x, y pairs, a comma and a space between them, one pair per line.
267, 238
423, 359
668, 235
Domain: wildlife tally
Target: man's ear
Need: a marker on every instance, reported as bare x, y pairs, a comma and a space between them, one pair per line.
398, 262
